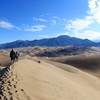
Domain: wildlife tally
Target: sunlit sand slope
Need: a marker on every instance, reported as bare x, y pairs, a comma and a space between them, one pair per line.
32, 80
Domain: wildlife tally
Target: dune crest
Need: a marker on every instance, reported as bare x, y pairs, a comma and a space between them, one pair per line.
31, 80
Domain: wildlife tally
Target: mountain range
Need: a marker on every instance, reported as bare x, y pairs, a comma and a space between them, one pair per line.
63, 40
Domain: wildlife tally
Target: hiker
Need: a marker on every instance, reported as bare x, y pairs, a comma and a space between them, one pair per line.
12, 55
17, 55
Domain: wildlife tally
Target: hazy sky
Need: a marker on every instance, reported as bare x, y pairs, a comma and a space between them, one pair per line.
36, 19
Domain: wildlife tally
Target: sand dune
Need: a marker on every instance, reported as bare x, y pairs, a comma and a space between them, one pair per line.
89, 63
4, 60
28, 79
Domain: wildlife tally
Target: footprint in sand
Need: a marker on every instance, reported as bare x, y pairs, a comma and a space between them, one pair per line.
11, 98
14, 86
10, 93
5, 98
22, 89
16, 91
8, 88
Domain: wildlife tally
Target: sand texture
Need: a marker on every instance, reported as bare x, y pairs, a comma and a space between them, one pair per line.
29, 79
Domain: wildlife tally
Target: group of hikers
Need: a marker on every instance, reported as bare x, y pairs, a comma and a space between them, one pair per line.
14, 56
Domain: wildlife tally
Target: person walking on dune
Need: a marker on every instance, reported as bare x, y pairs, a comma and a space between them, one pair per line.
17, 55
12, 55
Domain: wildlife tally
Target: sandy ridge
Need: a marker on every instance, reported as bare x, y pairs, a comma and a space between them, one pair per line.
28, 79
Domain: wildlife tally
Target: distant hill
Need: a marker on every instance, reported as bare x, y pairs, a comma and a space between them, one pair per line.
62, 40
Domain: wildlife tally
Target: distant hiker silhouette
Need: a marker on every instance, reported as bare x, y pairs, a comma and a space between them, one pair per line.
12, 55
16, 55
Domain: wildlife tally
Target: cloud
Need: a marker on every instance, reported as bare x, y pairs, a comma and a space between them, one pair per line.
48, 21
54, 21
6, 25
94, 9
88, 34
79, 24
82, 27
93, 16
35, 28
39, 19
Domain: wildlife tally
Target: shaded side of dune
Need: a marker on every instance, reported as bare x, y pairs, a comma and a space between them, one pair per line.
81, 62
90, 64
5, 60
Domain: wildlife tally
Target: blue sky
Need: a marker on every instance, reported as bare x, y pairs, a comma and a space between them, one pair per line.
36, 19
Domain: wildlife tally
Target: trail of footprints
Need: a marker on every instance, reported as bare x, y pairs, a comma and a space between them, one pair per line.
8, 84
